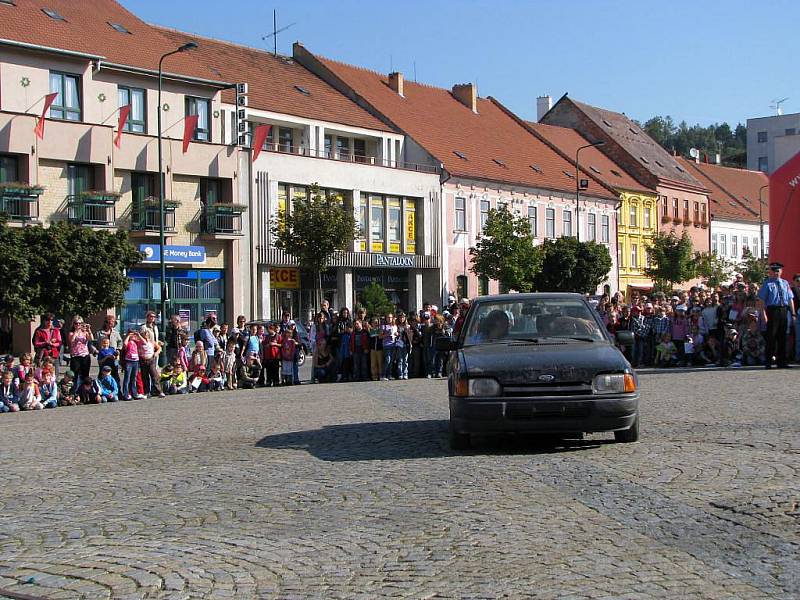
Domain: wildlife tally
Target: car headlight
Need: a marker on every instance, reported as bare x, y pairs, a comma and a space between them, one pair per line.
614, 383
482, 387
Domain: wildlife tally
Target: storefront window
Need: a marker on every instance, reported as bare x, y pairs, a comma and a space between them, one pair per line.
411, 226
462, 288
363, 224
377, 224
395, 224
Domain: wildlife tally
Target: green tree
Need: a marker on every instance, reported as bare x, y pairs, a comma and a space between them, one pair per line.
376, 301
506, 252
16, 298
752, 268
713, 269
572, 266
671, 259
317, 228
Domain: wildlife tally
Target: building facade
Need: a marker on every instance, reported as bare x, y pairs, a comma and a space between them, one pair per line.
771, 141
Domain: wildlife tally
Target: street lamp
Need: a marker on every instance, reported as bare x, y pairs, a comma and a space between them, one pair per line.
761, 219
186, 47
578, 187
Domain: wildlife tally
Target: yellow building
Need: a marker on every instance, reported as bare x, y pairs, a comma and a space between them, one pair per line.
637, 223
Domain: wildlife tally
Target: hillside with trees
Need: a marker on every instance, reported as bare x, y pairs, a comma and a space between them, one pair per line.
719, 137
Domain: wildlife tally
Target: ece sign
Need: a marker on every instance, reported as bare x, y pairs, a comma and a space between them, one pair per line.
192, 255
387, 260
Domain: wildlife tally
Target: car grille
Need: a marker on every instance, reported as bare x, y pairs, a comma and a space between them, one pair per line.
561, 388
543, 410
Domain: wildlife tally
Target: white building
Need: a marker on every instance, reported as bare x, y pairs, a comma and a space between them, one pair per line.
771, 141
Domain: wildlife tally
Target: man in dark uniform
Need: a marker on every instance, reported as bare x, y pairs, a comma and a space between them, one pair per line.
777, 303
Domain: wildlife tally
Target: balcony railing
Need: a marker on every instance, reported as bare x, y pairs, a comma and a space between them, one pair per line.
94, 209
20, 202
145, 216
349, 156
223, 219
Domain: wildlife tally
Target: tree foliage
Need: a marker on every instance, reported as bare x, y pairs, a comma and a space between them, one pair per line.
680, 137
506, 252
572, 266
317, 228
713, 269
376, 301
671, 259
64, 269
752, 268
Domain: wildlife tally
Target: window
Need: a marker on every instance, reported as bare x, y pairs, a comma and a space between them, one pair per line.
620, 251
462, 288
703, 213
605, 229
735, 246
696, 211
632, 217
343, 147
9, 169
284, 139
592, 227
714, 243
461, 214
134, 97
762, 137
210, 192
359, 149
685, 210
484, 213
675, 214
533, 220
460, 155
723, 245
80, 178
791, 131
566, 217
67, 104
377, 224
550, 223
302, 90
119, 27
53, 14
762, 163
647, 222
483, 285
755, 246
665, 206
634, 256
200, 107
363, 224
745, 245
395, 224
328, 145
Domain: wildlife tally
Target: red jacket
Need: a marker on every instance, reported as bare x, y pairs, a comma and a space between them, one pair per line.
41, 341
364, 341
269, 351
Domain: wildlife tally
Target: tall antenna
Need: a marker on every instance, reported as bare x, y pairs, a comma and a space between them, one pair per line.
391, 64
275, 31
415, 71
776, 104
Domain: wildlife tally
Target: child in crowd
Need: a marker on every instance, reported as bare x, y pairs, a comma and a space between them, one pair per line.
253, 344
230, 364
8, 364
753, 345
693, 348
89, 392
49, 389
346, 353
46, 364
375, 350
9, 393
166, 376
666, 351
388, 335
198, 382
30, 396
271, 356
130, 348
106, 355
66, 395
288, 355
216, 380
107, 385
323, 363
359, 346
199, 357
22, 369
182, 355
248, 373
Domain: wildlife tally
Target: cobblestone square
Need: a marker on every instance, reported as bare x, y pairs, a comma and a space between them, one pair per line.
350, 491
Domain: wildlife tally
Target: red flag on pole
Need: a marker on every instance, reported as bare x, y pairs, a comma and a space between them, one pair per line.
259, 137
39, 129
124, 111
189, 127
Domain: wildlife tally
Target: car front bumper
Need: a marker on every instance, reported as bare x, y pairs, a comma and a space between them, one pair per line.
563, 414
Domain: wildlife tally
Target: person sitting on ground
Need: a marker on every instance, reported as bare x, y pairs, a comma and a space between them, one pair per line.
9, 394
8, 365
753, 345
66, 395
199, 357
323, 363
177, 382
666, 352
216, 380
22, 369
30, 396
248, 373
89, 392
107, 385
49, 389
198, 381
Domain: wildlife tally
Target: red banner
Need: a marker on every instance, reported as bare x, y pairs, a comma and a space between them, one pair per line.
189, 127
124, 111
259, 137
39, 129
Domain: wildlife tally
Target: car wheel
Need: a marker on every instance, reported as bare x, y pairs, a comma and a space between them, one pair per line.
458, 440
301, 357
626, 436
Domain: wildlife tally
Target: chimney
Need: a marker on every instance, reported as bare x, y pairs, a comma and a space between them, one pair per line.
467, 94
396, 82
543, 104
717, 159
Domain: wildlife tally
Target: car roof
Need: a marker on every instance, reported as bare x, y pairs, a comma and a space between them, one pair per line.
531, 296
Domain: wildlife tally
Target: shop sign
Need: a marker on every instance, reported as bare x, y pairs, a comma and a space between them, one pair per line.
185, 315
283, 278
383, 260
194, 255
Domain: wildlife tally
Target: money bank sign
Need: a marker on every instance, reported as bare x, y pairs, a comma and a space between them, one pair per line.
187, 255
784, 216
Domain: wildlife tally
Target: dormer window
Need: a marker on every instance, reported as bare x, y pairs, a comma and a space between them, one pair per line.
53, 14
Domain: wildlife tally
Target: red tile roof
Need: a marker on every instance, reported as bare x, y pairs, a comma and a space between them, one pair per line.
601, 166
277, 83
733, 192
86, 29
493, 145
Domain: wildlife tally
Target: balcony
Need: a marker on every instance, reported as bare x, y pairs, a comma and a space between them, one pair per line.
145, 216
93, 209
222, 220
20, 201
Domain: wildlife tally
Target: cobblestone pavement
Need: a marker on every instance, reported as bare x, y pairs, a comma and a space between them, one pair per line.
350, 491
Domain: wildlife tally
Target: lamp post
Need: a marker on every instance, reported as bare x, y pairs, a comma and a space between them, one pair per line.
761, 220
184, 48
578, 187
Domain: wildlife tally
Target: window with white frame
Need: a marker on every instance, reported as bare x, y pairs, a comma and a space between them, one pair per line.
735, 246
484, 213
723, 245
632, 221
135, 98
634, 256
550, 223
755, 246
592, 220
533, 220
201, 108
461, 214
647, 217
714, 244
67, 103
605, 229
566, 218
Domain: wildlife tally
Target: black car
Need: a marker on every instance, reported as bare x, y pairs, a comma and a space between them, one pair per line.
305, 342
541, 363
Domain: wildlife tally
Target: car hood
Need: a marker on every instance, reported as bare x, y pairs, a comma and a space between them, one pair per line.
525, 362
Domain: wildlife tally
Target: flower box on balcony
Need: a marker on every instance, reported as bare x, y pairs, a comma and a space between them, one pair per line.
677, 220
666, 218
15, 188
99, 196
153, 202
224, 208
687, 221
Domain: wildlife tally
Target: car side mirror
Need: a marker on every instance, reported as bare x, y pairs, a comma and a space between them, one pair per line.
625, 337
446, 344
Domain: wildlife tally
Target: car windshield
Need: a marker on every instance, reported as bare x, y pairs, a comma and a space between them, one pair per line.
532, 320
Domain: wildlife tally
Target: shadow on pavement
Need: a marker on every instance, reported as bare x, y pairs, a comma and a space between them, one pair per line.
404, 440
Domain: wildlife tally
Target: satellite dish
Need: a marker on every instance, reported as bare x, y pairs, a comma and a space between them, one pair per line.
694, 152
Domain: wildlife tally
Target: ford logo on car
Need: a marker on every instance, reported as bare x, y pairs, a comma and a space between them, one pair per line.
546, 378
